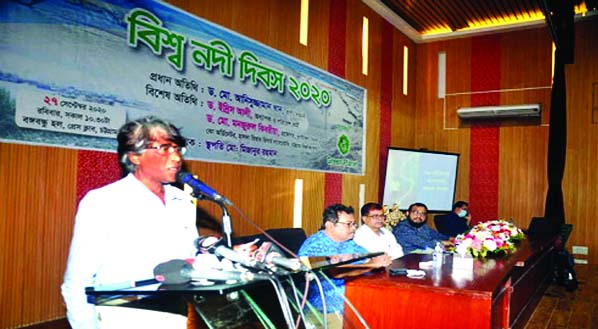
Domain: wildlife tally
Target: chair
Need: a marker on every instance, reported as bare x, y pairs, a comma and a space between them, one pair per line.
542, 227
292, 238
440, 223
565, 232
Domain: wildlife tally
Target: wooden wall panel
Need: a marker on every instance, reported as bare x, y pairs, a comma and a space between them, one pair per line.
437, 127
403, 106
522, 173
428, 108
49, 223
523, 148
37, 209
580, 184
356, 11
458, 81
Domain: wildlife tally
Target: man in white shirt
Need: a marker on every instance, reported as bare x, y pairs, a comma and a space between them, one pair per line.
373, 236
124, 229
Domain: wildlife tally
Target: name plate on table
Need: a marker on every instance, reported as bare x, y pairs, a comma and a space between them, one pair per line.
462, 262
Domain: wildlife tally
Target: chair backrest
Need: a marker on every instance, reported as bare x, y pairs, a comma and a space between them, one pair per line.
440, 223
544, 227
565, 232
292, 238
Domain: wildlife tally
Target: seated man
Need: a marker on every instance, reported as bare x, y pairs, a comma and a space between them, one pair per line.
414, 234
458, 220
334, 237
373, 236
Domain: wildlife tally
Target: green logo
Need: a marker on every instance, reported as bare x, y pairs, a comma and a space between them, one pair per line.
344, 144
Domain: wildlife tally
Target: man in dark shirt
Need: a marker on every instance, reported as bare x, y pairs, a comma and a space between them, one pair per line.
457, 221
414, 234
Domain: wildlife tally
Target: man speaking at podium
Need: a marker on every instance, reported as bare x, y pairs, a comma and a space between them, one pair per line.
124, 229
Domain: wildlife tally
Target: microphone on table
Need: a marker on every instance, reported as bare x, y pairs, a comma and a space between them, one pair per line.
178, 271
200, 187
207, 244
272, 256
214, 245
123, 285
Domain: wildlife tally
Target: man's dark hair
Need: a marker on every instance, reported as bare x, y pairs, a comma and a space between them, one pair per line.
135, 135
366, 208
331, 212
417, 204
459, 204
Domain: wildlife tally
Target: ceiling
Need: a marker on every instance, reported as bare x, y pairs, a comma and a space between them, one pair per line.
432, 20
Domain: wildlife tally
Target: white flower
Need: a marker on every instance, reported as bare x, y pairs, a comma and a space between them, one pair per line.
465, 243
462, 248
481, 235
490, 244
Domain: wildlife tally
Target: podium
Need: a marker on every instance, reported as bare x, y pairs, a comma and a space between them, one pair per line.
254, 304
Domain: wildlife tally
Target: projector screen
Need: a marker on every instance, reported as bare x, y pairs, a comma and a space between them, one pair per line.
420, 176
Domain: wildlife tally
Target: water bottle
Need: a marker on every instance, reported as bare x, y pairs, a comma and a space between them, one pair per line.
437, 255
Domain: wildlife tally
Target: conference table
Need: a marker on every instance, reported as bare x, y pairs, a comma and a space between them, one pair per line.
497, 292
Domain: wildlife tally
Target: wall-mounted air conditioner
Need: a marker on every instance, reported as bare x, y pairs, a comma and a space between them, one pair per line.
500, 111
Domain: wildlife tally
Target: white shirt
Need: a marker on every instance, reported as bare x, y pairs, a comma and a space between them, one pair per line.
384, 241
122, 231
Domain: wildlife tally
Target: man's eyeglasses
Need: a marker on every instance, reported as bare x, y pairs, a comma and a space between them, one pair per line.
166, 149
377, 216
349, 224
415, 213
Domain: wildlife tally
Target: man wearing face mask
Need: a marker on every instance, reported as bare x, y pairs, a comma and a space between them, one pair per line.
458, 220
413, 233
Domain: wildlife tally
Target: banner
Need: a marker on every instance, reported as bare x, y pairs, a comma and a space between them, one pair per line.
72, 72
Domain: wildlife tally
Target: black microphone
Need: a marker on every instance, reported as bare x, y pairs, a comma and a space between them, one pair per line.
200, 187
214, 245
123, 285
178, 271
207, 244
271, 255
235, 257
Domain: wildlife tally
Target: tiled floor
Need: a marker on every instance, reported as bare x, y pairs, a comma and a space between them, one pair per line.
564, 309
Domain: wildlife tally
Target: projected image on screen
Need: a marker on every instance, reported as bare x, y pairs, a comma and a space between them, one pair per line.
420, 176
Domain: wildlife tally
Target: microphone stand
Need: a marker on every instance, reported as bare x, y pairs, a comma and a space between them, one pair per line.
227, 225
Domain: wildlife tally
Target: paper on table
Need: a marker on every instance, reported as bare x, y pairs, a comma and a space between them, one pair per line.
416, 274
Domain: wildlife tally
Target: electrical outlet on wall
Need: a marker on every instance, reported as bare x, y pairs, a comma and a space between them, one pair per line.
579, 250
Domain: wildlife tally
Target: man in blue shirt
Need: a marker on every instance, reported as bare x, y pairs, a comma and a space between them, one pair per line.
335, 237
414, 234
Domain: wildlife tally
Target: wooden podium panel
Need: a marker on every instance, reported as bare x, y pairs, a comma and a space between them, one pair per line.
497, 293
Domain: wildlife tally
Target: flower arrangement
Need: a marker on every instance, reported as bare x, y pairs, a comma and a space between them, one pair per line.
496, 236
393, 216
